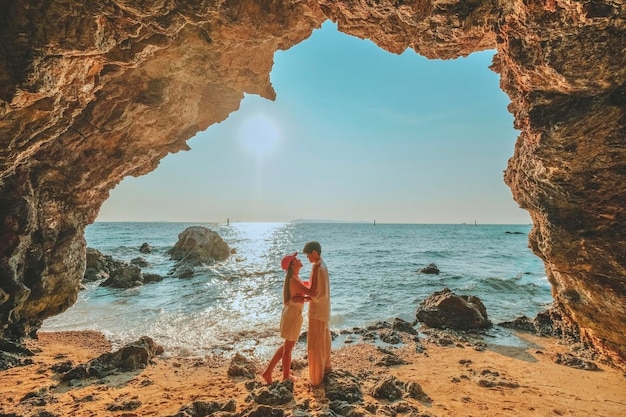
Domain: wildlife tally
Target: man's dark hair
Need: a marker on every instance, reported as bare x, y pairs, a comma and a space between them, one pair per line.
312, 246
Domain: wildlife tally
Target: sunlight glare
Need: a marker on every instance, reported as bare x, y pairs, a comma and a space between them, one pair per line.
259, 135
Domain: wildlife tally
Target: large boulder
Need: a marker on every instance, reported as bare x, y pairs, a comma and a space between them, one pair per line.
444, 309
197, 246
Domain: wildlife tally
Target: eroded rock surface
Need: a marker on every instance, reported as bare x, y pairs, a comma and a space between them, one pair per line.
92, 92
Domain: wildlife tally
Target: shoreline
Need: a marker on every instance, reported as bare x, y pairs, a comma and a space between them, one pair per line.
456, 379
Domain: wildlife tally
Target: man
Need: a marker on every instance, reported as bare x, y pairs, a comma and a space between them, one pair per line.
318, 336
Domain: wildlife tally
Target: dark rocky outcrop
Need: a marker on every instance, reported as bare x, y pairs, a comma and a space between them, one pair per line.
430, 269
277, 393
92, 92
99, 266
115, 273
549, 323
241, 366
444, 309
140, 262
132, 356
145, 248
204, 408
127, 276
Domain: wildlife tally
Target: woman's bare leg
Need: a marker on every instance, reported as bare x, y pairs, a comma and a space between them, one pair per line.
267, 375
288, 348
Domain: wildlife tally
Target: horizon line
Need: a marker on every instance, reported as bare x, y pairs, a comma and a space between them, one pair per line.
309, 221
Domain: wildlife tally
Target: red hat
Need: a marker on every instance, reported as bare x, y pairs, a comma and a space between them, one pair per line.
287, 260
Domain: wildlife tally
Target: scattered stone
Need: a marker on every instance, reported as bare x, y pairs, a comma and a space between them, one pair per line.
403, 326
204, 408
149, 278
369, 336
391, 337
441, 339
38, 398
140, 262
391, 360
277, 393
388, 389
298, 364
129, 358
241, 366
489, 379
145, 248
572, 361
379, 326
343, 386
415, 391
430, 269
62, 367
45, 413
403, 407
549, 323
263, 411
392, 389
343, 408
125, 406
10, 354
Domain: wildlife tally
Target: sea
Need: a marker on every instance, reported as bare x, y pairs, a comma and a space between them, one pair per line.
374, 269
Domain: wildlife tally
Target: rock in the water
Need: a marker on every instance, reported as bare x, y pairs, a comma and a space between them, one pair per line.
196, 246
127, 276
444, 309
99, 266
430, 269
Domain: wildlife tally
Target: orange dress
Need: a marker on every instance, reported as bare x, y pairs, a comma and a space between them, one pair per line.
318, 336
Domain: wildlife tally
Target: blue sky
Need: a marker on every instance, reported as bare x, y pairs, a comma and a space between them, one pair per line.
355, 134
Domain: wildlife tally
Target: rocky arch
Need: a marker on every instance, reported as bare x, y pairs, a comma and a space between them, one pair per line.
91, 92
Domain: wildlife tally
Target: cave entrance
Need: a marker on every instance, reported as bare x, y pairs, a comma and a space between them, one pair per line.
356, 134
391, 138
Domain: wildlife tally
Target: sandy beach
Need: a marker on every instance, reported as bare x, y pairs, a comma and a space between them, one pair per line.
455, 380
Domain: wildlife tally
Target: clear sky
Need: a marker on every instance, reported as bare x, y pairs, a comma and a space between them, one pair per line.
355, 134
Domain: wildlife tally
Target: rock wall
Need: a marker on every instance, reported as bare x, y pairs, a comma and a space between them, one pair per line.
91, 93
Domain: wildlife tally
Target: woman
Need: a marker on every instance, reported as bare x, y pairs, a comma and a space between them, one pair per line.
294, 295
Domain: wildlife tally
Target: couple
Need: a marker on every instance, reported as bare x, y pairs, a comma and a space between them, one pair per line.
295, 293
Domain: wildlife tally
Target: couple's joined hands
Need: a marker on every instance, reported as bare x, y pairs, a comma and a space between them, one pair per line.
301, 298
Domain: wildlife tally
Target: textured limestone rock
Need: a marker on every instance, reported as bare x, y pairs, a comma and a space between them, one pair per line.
91, 92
